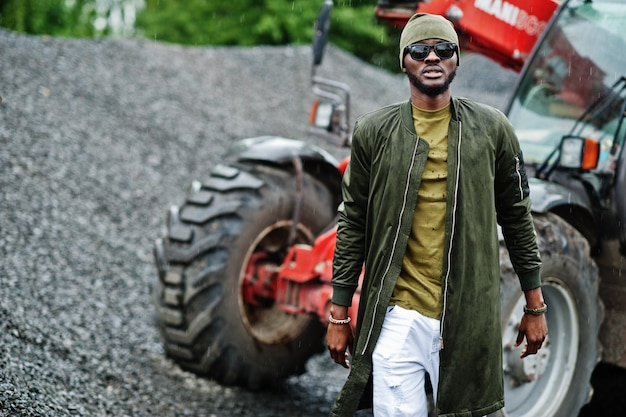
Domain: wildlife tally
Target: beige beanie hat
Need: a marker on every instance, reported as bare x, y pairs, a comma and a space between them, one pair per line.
426, 26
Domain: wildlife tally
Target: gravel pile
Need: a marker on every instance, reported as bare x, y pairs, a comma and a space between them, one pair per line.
97, 139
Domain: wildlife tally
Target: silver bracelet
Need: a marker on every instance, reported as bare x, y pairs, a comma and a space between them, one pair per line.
335, 321
536, 311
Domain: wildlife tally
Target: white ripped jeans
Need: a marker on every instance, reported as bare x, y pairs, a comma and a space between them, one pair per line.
407, 349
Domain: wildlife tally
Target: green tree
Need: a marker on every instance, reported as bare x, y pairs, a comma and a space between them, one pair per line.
237, 22
75, 18
268, 22
49, 17
355, 28
209, 22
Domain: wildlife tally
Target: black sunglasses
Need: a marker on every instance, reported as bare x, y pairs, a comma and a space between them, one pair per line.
419, 51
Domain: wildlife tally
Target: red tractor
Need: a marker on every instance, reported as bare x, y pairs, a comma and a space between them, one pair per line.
243, 286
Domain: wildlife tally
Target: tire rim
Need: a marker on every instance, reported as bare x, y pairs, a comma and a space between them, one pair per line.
271, 325
538, 384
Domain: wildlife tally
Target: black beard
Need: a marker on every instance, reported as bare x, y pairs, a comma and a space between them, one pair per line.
431, 91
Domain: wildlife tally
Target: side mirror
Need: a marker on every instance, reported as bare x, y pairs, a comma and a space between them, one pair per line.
577, 152
321, 29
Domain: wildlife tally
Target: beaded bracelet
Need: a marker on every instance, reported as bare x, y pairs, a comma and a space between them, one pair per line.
335, 321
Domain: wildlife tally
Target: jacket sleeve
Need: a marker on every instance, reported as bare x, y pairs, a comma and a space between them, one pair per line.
513, 208
351, 242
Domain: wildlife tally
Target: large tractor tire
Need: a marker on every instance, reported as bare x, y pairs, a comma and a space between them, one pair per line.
240, 219
556, 381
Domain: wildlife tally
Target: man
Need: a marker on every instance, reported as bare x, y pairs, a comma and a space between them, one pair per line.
427, 181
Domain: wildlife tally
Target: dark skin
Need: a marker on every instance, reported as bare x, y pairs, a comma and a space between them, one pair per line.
435, 72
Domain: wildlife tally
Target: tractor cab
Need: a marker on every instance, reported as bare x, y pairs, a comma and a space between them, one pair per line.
568, 112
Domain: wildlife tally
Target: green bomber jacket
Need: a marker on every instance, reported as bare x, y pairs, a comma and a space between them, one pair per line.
486, 186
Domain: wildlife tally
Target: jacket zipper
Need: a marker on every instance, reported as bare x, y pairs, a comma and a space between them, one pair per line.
447, 277
395, 241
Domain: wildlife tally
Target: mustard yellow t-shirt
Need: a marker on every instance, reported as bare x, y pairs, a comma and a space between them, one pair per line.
420, 283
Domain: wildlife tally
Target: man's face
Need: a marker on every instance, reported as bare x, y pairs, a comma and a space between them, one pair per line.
433, 75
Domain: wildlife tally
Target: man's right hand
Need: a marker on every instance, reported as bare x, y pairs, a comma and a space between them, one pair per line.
339, 337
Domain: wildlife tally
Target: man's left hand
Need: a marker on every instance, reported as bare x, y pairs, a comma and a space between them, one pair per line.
535, 330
